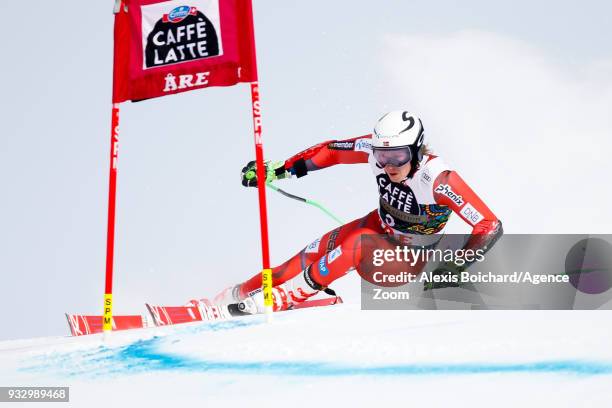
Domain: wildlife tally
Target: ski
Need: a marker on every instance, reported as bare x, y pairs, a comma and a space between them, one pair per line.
81, 325
193, 312
204, 310
319, 303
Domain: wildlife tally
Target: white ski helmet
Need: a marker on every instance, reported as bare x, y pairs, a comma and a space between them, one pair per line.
398, 138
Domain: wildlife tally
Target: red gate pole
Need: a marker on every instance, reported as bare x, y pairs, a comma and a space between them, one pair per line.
107, 317
266, 273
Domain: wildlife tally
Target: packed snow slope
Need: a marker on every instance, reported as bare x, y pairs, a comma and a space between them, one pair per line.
333, 356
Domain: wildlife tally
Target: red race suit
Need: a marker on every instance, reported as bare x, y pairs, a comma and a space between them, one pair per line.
419, 206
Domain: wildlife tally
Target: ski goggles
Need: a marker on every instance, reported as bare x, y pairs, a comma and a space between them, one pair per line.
394, 156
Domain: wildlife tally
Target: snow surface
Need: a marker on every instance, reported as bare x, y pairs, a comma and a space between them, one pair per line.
333, 356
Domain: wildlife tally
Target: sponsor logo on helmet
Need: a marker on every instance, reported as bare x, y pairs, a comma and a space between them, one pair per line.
420, 138
333, 255
378, 136
341, 145
409, 119
471, 214
446, 190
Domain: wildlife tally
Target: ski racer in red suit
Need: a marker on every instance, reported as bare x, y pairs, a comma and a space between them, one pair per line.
418, 193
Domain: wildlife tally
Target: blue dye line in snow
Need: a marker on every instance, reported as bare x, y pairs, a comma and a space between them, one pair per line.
146, 356
150, 359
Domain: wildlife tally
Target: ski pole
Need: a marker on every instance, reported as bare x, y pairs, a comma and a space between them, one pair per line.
304, 200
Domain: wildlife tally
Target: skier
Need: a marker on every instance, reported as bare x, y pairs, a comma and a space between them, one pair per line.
418, 192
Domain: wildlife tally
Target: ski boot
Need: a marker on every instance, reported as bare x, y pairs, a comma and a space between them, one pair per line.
284, 296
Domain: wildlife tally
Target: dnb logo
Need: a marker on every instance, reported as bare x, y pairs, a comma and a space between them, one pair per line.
181, 34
